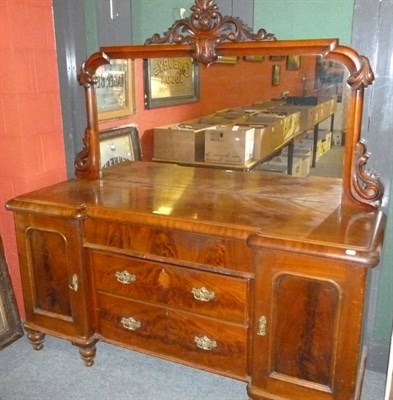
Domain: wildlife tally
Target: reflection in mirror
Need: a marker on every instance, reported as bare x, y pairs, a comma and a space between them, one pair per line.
119, 145
288, 113
115, 90
170, 81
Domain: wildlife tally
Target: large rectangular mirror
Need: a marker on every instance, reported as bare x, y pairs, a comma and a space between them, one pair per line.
246, 84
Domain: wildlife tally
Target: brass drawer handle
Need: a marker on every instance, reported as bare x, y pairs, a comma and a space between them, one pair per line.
205, 343
125, 277
130, 323
203, 294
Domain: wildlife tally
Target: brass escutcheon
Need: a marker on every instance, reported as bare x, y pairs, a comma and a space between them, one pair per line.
262, 326
74, 283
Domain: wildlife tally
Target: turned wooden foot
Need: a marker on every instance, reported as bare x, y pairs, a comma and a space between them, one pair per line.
36, 338
87, 352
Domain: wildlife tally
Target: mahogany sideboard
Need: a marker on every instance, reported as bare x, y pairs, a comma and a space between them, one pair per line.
254, 276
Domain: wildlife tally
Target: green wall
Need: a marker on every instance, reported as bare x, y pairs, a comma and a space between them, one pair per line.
305, 19
91, 26
288, 19
151, 16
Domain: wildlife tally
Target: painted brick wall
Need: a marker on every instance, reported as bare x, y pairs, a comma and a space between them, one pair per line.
31, 139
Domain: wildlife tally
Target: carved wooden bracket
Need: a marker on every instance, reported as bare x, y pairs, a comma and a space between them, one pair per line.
366, 184
362, 77
86, 164
205, 29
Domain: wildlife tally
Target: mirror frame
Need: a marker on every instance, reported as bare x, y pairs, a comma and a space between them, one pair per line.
205, 35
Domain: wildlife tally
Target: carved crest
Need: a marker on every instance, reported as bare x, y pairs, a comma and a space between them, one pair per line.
205, 29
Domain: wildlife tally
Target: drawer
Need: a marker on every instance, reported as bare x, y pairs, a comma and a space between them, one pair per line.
194, 340
218, 296
230, 253
201, 292
130, 277
209, 342
138, 325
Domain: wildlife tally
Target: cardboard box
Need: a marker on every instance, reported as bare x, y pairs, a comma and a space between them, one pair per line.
305, 158
289, 122
306, 162
275, 169
180, 142
309, 142
307, 115
297, 167
232, 114
229, 145
324, 107
214, 120
276, 125
324, 139
265, 141
338, 138
267, 138
328, 140
329, 104
266, 105
299, 150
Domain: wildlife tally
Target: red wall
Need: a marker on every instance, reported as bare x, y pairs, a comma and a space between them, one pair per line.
31, 139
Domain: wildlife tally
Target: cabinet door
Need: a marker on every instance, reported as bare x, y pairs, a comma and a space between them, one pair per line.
51, 263
307, 327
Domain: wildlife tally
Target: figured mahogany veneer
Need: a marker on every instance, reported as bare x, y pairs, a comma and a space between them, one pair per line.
164, 284
253, 276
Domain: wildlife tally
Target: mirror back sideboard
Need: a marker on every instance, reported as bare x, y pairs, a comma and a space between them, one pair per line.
255, 276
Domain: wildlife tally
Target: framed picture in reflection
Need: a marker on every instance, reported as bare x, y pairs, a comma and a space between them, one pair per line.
276, 74
115, 90
170, 81
119, 145
293, 62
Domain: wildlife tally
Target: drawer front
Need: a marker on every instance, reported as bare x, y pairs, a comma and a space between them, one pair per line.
171, 244
201, 292
126, 276
194, 340
210, 343
138, 325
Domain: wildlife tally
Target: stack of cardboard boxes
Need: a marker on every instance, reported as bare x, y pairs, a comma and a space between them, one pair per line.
255, 133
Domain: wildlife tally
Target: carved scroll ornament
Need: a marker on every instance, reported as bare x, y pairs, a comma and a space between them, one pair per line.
205, 29
363, 76
366, 184
86, 164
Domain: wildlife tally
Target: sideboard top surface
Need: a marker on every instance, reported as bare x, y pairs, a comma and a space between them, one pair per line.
215, 202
